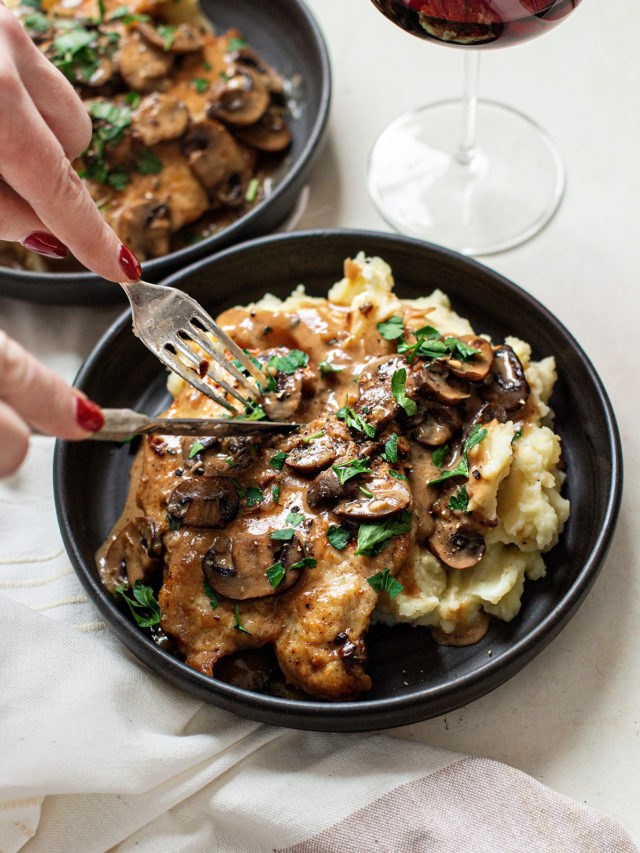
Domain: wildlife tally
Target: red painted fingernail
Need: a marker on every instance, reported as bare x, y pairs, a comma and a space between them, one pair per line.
89, 415
130, 264
45, 244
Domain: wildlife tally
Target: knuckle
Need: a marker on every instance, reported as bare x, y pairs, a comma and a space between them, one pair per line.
14, 364
14, 451
67, 187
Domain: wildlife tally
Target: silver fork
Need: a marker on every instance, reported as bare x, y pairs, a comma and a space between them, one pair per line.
167, 321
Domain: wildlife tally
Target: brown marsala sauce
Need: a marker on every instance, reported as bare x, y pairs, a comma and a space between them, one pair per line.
317, 624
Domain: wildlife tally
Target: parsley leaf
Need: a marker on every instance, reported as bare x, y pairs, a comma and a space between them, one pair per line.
373, 537
254, 496
143, 600
236, 43
385, 582
149, 163
295, 518
459, 349
517, 435
278, 460
237, 625
460, 501
392, 328
351, 469
133, 98
397, 475
285, 534
355, 421
36, 23
196, 447
201, 84
339, 536
289, 363
211, 595
439, 454
313, 437
476, 435
365, 492
276, 574
327, 367
398, 388
252, 190
168, 35
391, 449
305, 562
123, 14
275, 494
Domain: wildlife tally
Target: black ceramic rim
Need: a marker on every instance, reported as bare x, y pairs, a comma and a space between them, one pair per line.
152, 269
361, 714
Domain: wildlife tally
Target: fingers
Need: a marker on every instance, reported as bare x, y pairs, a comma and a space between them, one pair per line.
53, 95
41, 398
15, 440
19, 223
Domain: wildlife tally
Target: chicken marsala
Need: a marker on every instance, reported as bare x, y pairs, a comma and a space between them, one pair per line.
389, 495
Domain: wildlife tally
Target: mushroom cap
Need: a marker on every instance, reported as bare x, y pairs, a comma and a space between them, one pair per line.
245, 56
185, 38
213, 155
477, 367
240, 99
435, 381
145, 226
507, 384
135, 553
439, 424
271, 133
388, 497
208, 502
308, 457
237, 567
142, 65
284, 402
457, 543
159, 118
326, 488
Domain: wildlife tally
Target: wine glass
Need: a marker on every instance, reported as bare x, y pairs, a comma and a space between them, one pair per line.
470, 174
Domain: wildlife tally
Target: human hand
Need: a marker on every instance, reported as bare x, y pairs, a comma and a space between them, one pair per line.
33, 396
43, 127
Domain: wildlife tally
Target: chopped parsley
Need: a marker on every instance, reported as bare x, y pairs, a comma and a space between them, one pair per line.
476, 435
397, 475
252, 190
275, 494
355, 421
278, 460
365, 492
398, 388
391, 449
347, 470
392, 328
133, 98
36, 23
305, 562
518, 434
239, 490
211, 595
313, 437
236, 43
254, 496
200, 84
285, 534
459, 501
459, 349
275, 574
289, 363
237, 624
112, 119
253, 411
385, 582
294, 518
168, 35
149, 163
373, 537
143, 606
439, 455
196, 447
339, 536
123, 14
327, 367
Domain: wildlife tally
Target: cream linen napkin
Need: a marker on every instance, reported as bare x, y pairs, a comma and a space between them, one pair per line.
97, 753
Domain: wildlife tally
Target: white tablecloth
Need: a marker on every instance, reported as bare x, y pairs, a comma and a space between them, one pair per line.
570, 719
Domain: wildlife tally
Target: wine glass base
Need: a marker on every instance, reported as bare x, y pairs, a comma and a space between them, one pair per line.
507, 190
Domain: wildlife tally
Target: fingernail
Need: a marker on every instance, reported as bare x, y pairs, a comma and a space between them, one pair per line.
130, 264
89, 415
45, 244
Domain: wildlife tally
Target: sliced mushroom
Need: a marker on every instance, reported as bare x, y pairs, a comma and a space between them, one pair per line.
310, 456
508, 384
377, 403
439, 424
205, 442
435, 381
247, 58
184, 38
477, 367
270, 133
486, 413
135, 554
213, 155
204, 501
144, 225
284, 402
159, 118
142, 66
326, 489
457, 543
388, 496
242, 98
103, 73
237, 568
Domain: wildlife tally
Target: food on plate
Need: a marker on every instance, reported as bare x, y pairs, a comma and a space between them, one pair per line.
188, 125
423, 487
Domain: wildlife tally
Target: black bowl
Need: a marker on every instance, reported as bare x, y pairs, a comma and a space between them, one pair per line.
285, 33
413, 678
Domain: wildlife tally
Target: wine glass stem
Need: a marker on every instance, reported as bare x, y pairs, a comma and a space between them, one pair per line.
465, 152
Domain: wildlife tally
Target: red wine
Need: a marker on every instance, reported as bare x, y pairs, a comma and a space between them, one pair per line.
476, 23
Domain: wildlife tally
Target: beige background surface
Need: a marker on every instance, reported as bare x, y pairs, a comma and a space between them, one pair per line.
571, 718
